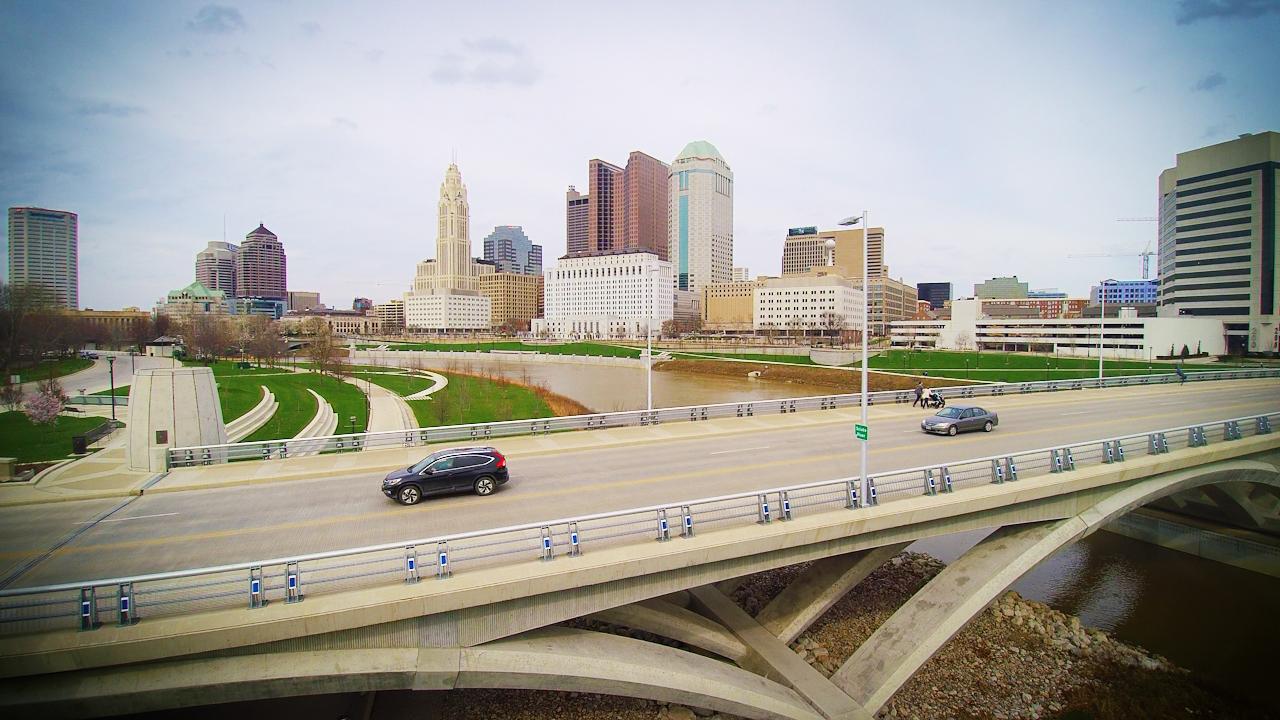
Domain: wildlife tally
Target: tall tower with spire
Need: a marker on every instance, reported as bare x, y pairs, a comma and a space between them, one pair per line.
452, 268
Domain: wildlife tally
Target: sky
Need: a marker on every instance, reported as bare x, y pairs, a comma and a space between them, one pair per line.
987, 138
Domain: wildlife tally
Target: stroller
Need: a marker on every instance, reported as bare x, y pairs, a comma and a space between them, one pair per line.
934, 400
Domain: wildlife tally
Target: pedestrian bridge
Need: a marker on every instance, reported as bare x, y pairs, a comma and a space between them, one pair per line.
481, 609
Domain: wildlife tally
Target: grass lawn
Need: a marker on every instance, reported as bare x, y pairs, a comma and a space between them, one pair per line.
575, 348
121, 391
475, 400
59, 367
400, 384
32, 443
238, 394
228, 367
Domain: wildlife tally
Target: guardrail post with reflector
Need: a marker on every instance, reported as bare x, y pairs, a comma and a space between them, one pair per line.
548, 549
762, 508
1232, 431
1162, 442
946, 480
411, 565
257, 597
871, 492
930, 486
686, 522
1055, 461
442, 560
1011, 467
786, 505
574, 549
664, 528
88, 608
997, 472
126, 607
292, 583
1068, 460
1264, 426
851, 495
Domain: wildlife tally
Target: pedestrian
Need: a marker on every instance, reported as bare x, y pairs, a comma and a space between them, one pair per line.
1182, 374
919, 394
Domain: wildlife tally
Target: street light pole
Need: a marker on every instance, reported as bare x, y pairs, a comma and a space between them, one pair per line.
862, 443
1102, 323
648, 341
111, 373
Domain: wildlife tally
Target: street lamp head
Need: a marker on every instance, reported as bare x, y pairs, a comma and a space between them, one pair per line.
830, 243
851, 220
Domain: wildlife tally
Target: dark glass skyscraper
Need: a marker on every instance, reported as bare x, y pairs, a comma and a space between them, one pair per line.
937, 293
511, 251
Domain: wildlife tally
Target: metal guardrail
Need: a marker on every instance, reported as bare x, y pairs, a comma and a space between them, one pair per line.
121, 400
481, 432
124, 600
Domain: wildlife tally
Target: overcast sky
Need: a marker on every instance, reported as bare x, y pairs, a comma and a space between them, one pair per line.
987, 138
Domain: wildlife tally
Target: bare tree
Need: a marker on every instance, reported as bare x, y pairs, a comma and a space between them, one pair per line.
209, 336
325, 350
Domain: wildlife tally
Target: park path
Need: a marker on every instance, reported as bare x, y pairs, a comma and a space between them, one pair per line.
387, 410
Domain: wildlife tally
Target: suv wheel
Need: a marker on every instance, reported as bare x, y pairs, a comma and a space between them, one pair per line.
410, 494
485, 485
987, 427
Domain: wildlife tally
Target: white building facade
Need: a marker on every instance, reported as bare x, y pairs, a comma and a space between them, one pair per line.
1126, 337
700, 217
619, 295
824, 302
446, 312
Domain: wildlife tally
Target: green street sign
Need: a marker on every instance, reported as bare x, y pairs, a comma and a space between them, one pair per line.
860, 431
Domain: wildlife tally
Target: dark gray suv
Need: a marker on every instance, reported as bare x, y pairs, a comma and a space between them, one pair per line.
473, 469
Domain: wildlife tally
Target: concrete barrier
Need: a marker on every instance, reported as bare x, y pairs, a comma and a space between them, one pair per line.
324, 423
245, 425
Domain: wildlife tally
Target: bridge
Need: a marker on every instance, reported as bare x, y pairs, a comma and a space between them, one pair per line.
351, 594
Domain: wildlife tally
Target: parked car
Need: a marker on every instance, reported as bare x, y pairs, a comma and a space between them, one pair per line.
87, 355
468, 469
960, 418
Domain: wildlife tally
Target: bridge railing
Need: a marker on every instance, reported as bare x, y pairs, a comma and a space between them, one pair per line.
126, 600
483, 432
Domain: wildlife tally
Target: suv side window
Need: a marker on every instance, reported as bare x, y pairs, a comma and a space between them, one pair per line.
442, 464
470, 461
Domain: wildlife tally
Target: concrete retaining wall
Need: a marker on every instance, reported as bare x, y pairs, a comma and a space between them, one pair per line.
245, 425
404, 358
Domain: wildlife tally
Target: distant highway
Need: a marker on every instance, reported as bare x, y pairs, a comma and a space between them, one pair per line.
171, 531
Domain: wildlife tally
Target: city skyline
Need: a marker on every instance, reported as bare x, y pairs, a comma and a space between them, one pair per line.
149, 146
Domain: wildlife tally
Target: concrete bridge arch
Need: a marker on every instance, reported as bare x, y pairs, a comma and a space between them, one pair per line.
913, 634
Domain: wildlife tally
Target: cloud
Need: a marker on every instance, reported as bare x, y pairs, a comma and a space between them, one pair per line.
1209, 82
490, 61
309, 28
217, 20
345, 123
1191, 11
106, 107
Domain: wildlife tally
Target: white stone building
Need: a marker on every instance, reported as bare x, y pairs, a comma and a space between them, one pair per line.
808, 302
446, 290
606, 296
1124, 337
700, 217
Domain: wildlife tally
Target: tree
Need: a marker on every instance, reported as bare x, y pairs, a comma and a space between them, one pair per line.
142, 331
260, 339
161, 325
209, 336
11, 395
325, 350
833, 322
964, 340
1185, 350
48, 402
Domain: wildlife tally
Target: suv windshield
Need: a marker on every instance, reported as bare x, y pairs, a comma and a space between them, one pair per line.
424, 462
950, 412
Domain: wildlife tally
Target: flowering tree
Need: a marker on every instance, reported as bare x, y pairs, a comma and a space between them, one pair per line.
48, 402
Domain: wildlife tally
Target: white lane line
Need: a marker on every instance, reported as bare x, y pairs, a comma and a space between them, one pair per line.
722, 452
1082, 412
135, 517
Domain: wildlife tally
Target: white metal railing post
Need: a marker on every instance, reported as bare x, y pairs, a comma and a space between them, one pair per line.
88, 608
256, 599
411, 565
574, 549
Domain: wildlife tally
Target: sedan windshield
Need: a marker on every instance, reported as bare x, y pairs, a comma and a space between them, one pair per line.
950, 412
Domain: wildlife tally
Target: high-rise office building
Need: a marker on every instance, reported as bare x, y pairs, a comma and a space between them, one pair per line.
575, 222
216, 267
644, 196
260, 266
1125, 292
604, 207
446, 290
700, 217
300, 300
1217, 235
741, 274
805, 248
511, 251
44, 252
936, 293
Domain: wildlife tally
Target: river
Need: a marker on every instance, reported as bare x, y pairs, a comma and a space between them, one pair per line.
1213, 619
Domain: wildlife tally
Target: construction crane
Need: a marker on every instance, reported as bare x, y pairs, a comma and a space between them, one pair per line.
1145, 254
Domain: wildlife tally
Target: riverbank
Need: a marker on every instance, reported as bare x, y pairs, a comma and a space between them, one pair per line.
845, 381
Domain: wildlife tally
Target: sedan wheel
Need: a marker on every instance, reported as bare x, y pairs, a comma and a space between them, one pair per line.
410, 494
952, 429
485, 485
987, 427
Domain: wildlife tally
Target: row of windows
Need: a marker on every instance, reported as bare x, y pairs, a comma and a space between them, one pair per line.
1217, 223
1213, 236
1215, 188
1218, 211
1215, 248
1210, 201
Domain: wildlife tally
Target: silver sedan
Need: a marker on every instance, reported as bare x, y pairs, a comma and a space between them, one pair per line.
959, 418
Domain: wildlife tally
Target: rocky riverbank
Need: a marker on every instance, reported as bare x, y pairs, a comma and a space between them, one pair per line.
1017, 659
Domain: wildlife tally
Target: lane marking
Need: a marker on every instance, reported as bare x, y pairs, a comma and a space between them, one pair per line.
1082, 412
722, 452
448, 504
134, 517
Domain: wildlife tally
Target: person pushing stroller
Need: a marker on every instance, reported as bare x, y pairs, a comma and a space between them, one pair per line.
934, 399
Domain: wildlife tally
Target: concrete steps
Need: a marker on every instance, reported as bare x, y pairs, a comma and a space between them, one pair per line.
323, 424
244, 426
